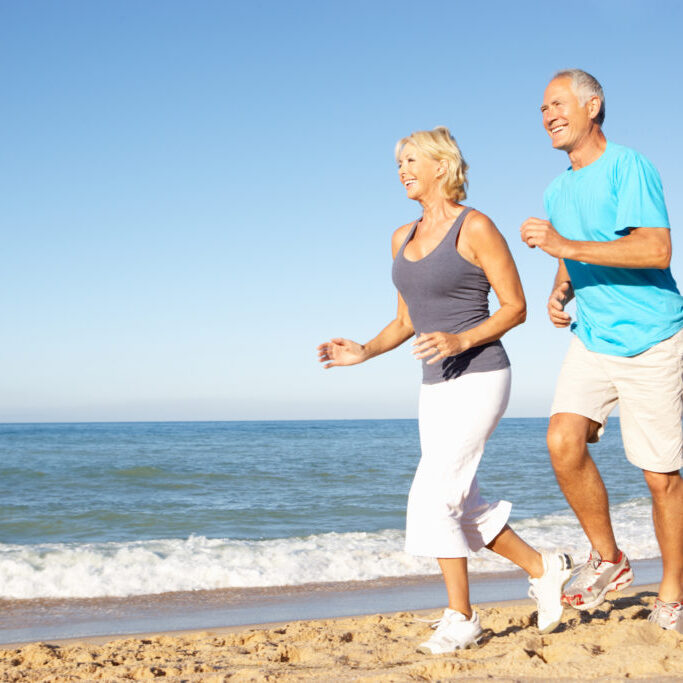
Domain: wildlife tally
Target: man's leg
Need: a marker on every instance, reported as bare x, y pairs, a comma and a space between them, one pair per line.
580, 480
650, 388
667, 514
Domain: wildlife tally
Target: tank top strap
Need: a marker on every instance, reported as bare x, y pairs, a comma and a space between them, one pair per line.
450, 239
457, 225
411, 232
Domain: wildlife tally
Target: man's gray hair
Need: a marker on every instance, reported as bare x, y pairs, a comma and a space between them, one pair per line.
585, 86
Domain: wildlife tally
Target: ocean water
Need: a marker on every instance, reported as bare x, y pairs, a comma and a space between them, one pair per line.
118, 509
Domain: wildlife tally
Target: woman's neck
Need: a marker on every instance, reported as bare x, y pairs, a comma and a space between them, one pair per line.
439, 210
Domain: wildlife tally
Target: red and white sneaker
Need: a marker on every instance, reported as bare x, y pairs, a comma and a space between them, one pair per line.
595, 579
668, 615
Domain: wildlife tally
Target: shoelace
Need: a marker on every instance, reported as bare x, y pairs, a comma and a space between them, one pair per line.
438, 624
443, 624
582, 574
433, 623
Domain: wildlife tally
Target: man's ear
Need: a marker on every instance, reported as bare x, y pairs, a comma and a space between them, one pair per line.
593, 105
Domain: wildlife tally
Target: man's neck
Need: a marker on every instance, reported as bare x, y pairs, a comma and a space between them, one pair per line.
589, 149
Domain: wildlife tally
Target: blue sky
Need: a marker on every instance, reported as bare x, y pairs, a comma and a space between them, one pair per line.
196, 194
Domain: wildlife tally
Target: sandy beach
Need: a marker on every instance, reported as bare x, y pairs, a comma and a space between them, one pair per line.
610, 643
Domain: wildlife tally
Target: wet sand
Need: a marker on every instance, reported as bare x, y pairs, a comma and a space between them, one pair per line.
610, 643
58, 619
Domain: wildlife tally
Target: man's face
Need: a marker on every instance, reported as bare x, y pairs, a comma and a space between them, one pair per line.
566, 120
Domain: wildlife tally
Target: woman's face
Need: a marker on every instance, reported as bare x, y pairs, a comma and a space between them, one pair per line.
418, 173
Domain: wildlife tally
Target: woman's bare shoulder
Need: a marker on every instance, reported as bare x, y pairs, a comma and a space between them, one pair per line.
403, 230
478, 222
400, 235
480, 236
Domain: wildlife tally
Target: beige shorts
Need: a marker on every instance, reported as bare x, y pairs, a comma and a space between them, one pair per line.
648, 388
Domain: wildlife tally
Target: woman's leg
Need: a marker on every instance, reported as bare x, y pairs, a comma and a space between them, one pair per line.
447, 518
454, 570
509, 545
456, 418
547, 575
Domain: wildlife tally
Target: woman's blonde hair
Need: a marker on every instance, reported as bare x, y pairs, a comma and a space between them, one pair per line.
440, 145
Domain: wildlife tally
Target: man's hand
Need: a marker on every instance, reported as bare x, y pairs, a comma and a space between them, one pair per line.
559, 298
539, 233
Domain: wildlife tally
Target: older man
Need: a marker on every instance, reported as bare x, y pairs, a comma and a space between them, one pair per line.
608, 227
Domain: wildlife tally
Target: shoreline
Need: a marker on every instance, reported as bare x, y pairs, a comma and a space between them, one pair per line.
76, 619
610, 643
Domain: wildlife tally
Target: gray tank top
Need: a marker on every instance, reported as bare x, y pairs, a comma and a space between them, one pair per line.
447, 293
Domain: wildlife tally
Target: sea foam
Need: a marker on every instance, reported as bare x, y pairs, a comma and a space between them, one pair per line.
84, 570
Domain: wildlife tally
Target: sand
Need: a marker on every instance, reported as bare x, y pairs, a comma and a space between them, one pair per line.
610, 643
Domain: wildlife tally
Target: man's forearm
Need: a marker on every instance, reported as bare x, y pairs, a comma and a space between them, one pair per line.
642, 248
561, 277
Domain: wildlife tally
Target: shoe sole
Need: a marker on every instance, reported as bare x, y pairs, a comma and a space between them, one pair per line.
624, 580
422, 649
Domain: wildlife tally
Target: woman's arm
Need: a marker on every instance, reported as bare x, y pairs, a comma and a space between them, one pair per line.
340, 351
485, 247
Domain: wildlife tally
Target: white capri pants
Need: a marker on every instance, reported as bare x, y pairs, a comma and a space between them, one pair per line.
447, 517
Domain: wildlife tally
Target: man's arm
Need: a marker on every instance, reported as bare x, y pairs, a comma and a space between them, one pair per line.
641, 248
562, 294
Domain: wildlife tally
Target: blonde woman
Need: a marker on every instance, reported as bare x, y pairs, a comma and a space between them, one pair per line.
444, 266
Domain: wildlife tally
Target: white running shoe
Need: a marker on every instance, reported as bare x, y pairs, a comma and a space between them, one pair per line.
547, 590
453, 632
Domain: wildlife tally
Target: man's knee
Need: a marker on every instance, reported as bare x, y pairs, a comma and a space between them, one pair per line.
567, 437
663, 484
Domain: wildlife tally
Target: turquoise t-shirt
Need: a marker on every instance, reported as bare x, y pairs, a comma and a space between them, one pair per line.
620, 311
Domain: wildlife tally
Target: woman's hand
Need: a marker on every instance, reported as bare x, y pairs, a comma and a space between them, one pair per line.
341, 352
438, 345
